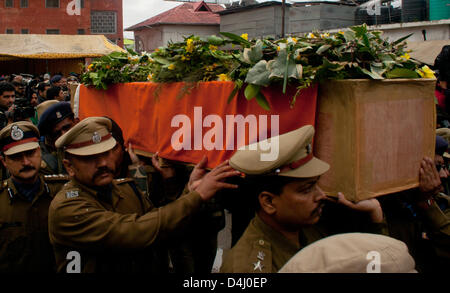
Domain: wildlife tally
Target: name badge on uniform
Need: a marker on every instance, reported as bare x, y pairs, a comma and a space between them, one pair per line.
71, 193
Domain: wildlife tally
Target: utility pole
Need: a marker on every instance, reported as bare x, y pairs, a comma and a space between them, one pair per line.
283, 11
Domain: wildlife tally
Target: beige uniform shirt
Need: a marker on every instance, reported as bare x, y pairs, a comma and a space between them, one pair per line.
261, 249
115, 234
24, 242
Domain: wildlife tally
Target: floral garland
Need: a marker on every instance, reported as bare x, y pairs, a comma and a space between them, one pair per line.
298, 60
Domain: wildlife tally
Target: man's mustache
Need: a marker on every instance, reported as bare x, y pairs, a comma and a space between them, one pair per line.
101, 171
316, 210
27, 168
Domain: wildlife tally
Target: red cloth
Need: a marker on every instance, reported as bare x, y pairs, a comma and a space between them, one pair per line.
146, 119
440, 98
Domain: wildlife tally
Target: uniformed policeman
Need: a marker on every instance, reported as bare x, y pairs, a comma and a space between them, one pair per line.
108, 223
54, 121
24, 201
287, 199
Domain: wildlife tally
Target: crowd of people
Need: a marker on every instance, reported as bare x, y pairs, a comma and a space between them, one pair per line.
75, 198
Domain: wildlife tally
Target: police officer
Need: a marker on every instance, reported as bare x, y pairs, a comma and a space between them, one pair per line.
109, 223
287, 199
56, 120
24, 201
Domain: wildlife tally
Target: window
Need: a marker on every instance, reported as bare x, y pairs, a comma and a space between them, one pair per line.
103, 22
24, 31
9, 3
82, 3
81, 31
52, 31
52, 3
24, 3
9, 31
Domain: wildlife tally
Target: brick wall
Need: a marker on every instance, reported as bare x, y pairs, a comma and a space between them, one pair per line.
37, 19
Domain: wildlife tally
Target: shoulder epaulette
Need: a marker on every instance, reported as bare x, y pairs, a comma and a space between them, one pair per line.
123, 180
56, 177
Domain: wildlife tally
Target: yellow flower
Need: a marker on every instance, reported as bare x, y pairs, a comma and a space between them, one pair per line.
278, 48
244, 36
212, 48
209, 67
90, 66
294, 40
157, 49
298, 57
326, 35
405, 56
171, 66
223, 77
311, 36
426, 72
189, 45
340, 32
184, 58
150, 77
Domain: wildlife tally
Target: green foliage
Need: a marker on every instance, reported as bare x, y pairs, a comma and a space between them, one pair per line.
297, 60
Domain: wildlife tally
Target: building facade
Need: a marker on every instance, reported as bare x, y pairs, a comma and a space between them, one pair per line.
199, 18
58, 17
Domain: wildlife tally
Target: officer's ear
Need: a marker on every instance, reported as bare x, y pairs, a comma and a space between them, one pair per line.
2, 158
266, 202
68, 165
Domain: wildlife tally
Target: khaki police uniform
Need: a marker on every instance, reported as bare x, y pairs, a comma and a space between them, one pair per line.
116, 230
261, 248
24, 242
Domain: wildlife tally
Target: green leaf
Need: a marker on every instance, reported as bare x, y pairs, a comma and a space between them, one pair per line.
377, 70
323, 48
236, 38
277, 66
251, 91
215, 40
259, 74
253, 54
371, 74
402, 73
161, 60
349, 36
359, 30
261, 100
401, 40
237, 86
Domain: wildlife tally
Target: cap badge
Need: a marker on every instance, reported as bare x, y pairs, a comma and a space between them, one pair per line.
96, 138
308, 149
16, 132
58, 115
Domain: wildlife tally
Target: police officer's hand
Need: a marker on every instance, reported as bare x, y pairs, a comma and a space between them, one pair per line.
429, 179
134, 158
197, 174
166, 172
212, 182
371, 206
